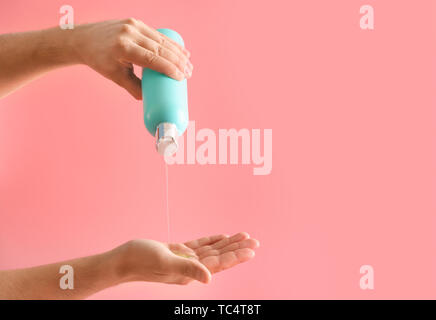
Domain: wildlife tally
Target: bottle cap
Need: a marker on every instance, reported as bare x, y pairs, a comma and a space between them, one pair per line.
166, 139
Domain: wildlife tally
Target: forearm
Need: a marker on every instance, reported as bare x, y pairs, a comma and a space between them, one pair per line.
90, 275
26, 56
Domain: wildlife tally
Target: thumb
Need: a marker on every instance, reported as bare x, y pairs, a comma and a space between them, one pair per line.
128, 80
193, 269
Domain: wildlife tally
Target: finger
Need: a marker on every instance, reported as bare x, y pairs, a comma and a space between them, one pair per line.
127, 79
227, 260
247, 243
160, 38
175, 58
224, 242
176, 44
149, 59
192, 268
194, 244
190, 66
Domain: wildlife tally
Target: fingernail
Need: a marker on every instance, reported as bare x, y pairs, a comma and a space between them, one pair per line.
190, 65
188, 54
204, 277
188, 72
180, 75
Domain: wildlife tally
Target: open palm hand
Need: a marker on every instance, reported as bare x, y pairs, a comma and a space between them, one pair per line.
181, 263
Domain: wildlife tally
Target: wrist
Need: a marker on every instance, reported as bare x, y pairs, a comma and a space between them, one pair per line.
121, 263
57, 47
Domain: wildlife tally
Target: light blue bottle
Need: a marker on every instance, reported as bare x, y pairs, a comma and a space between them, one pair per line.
165, 105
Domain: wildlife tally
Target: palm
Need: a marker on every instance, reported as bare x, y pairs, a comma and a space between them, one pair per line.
217, 253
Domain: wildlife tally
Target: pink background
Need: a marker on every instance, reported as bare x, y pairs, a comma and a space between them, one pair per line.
353, 141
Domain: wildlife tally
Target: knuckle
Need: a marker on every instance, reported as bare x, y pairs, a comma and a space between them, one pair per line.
126, 28
157, 50
150, 58
121, 44
131, 21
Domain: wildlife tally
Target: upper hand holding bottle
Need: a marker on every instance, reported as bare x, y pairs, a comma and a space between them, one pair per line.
113, 47
110, 47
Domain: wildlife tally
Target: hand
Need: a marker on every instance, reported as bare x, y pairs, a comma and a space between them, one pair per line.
181, 263
112, 47
136, 260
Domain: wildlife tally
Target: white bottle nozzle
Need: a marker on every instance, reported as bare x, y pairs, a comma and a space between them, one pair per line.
166, 139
